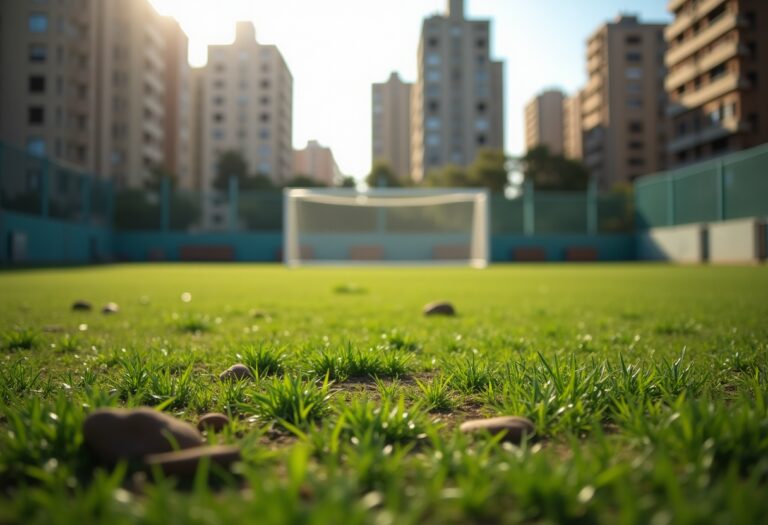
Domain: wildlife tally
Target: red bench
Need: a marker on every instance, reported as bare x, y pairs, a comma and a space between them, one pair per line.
581, 254
196, 252
529, 254
366, 253
451, 252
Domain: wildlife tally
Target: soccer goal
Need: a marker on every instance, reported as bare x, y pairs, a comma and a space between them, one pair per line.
385, 226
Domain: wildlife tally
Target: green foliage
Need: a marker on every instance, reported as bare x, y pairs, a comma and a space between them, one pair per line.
303, 181
263, 360
292, 400
550, 172
20, 339
383, 176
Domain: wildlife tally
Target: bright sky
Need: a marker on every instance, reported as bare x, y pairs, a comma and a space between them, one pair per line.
337, 48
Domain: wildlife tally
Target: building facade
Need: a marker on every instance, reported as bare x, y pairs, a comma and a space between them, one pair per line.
573, 147
544, 121
48, 71
246, 104
457, 104
717, 73
391, 124
86, 83
317, 163
624, 105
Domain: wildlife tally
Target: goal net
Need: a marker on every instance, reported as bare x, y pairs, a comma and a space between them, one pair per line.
385, 226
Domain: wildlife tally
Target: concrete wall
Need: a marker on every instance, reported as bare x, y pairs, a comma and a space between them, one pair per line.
159, 246
684, 244
738, 241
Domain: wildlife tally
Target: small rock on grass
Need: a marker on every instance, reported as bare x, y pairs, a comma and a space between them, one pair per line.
115, 434
214, 421
236, 373
514, 428
82, 306
110, 308
184, 463
439, 308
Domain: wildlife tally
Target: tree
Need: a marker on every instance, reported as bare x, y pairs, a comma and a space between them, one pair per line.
489, 170
382, 176
553, 172
231, 163
156, 176
256, 182
348, 182
449, 176
303, 181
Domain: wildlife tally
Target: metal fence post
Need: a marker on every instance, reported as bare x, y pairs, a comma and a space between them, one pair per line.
529, 217
592, 207
234, 190
720, 190
165, 204
85, 197
44, 188
670, 200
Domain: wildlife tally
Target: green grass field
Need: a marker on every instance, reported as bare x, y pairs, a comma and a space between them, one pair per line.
648, 386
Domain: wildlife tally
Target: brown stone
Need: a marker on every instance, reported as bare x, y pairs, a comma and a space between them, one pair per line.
114, 434
213, 421
439, 308
184, 463
110, 308
513, 427
82, 306
236, 373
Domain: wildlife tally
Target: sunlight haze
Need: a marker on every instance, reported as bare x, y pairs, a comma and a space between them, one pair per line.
336, 49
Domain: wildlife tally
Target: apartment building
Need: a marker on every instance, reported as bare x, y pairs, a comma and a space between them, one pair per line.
457, 104
246, 105
391, 124
178, 124
48, 66
624, 105
573, 147
85, 83
544, 121
316, 162
718, 71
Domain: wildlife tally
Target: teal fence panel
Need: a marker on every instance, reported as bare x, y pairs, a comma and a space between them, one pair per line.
729, 187
615, 213
745, 185
506, 215
260, 210
21, 181
560, 212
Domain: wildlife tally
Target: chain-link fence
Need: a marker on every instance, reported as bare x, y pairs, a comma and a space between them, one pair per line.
730, 187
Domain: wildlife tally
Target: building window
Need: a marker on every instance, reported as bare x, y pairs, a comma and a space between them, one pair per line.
634, 39
218, 101
717, 72
481, 107
433, 75
433, 139
433, 42
480, 43
635, 127
36, 115
265, 84
635, 145
264, 168
433, 59
264, 133
636, 162
264, 117
37, 53
634, 103
433, 106
634, 56
36, 146
218, 134
264, 101
36, 84
481, 124
634, 73
218, 117
481, 140
38, 23
433, 123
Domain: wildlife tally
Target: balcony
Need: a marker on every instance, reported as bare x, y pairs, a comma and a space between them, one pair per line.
591, 103
721, 86
674, 4
709, 134
592, 120
685, 21
692, 70
704, 37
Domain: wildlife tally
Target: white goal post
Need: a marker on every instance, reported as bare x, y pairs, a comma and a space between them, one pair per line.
386, 226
